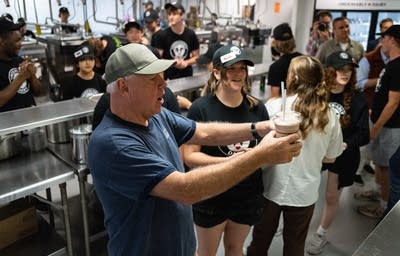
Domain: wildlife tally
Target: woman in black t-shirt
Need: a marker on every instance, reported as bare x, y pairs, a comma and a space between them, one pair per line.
352, 110
226, 100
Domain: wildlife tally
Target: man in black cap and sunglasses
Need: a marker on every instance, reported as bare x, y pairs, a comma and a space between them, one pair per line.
18, 81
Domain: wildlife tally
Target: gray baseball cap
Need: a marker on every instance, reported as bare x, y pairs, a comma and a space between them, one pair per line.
134, 59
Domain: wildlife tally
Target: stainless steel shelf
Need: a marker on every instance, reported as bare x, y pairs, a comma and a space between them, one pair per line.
29, 118
45, 242
29, 172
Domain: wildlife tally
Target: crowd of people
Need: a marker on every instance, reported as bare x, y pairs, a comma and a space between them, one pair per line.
150, 164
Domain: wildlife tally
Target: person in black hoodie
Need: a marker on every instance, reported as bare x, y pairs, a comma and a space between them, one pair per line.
352, 110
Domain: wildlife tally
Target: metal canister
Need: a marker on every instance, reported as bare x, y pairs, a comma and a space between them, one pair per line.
80, 139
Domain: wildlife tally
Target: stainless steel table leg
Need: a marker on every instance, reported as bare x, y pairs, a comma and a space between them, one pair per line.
82, 176
64, 203
51, 213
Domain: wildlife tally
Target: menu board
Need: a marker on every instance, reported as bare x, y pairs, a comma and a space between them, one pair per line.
357, 5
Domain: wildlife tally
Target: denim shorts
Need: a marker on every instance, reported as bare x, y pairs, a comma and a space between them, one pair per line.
384, 146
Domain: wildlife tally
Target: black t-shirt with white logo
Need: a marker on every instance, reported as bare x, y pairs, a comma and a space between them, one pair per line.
388, 81
9, 70
177, 46
79, 87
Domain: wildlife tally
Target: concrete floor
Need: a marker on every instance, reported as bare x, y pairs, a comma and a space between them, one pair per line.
346, 234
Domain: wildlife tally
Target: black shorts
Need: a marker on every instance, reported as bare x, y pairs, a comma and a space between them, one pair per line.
345, 167
206, 216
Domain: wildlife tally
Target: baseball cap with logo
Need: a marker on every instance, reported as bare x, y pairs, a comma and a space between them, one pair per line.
393, 30
150, 16
282, 32
7, 25
134, 59
84, 52
174, 6
339, 59
228, 55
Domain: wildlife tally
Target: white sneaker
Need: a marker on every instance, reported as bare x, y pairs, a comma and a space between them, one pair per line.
316, 244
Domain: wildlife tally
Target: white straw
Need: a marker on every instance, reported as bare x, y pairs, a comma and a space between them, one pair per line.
283, 99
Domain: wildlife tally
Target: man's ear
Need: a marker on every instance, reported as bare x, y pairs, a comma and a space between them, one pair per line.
122, 85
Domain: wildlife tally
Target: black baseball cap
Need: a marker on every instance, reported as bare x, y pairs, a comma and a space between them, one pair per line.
85, 51
63, 10
132, 24
7, 25
339, 59
208, 56
282, 32
393, 30
150, 16
174, 6
228, 55
148, 3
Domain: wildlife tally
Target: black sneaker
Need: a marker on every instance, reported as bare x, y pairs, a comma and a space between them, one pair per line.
369, 169
358, 180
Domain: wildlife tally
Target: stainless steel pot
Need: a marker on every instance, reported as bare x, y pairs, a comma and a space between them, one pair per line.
36, 139
80, 140
10, 145
59, 132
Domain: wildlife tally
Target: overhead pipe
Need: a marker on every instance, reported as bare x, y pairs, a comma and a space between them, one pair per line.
51, 11
24, 8
102, 21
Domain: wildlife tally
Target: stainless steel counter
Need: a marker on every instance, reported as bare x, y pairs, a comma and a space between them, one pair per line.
28, 118
384, 239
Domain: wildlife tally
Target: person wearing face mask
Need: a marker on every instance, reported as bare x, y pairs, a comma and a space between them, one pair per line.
225, 99
352, 110
340, 42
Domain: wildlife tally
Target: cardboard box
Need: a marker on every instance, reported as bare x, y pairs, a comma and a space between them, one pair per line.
17, 220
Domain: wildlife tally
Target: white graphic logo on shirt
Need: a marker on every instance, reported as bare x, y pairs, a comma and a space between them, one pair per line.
179, 50
231, 149
12, 74
339, 109
379, 82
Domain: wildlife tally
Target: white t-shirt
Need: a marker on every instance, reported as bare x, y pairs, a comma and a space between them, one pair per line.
296, 183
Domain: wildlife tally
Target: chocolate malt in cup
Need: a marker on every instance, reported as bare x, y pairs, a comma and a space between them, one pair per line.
286, 124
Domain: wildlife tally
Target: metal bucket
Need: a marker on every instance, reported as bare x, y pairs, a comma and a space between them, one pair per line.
80, 140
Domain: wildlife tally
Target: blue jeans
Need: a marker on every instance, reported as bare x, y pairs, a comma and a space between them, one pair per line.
394, 174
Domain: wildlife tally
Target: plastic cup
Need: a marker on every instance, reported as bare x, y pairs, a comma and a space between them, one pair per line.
288, 124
